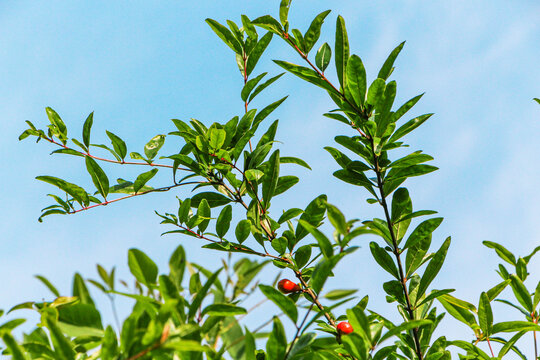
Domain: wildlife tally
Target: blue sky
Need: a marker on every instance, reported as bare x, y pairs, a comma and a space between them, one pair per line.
139, 64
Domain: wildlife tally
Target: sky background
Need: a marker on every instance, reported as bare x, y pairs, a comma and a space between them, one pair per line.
138, 64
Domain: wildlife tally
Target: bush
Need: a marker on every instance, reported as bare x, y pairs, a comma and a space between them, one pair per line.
235, 165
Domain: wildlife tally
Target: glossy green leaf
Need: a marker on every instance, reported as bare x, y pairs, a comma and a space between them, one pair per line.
324, 244
223, 310
289, 214
87, 127
521, 293
356, 79
224, 221
384, 259
302, 256
341, 50
294, 160
271, 178
387, 67
306, 74
177, 265
411, 159
217, 138
225, 35
201, 294
16, 351
514, 326
320, 274
80, 290
283, 302
78, 193
243, 229
485, 314
99, 178
433, 267
263, 86
142, 267
285, 183
284, 11
214, 199
408, 127
337, 219
143, 178
501, 251
323, 56
314, 31
58, 123
375, 92
408, 325
203, 214
257, 52
118, 144
423, 230
152, 147
250, 85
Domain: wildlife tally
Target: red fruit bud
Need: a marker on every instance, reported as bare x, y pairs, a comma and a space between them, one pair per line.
286, 286
344, 328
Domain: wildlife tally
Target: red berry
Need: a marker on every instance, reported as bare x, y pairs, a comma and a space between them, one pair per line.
286, 286
344, 328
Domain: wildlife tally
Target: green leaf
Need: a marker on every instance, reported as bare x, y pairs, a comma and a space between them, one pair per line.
485, 314
269, 23
118, 144
289, 214
57, 122
401, 206
152, 147
214, 199
521, 293
339, 294
323, 56
143, 178
294, 160
411, 159
410, 171
337, 219
459, 309
81, 291
375, 92
501, 251
201, 294
224, 221
383, 259
284, 11
306, 74
250, 85
285, 183
324, 244
78, 193
203, 214
223, 310
99, 178
263, 86
142, 267
537, 100
243, 229
408, 325
356, 79
314, 32
423, 230
276, 346
225, 35
217, 138
87, 127
405, 108
387, 67
257, 52
408, 127
433, 268
271, 178
513, 326
302, 256
283, 302
320, 274
177, 266
341, 50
